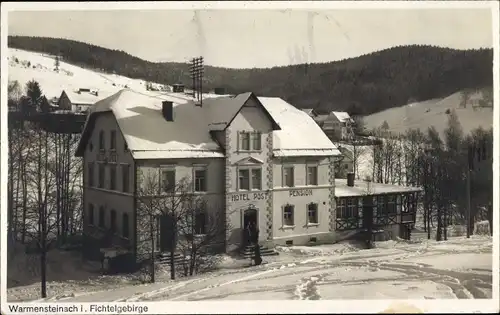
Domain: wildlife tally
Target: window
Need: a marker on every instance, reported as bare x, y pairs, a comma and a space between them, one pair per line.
312, 213
91, 214
199, 223
102, 224
91, 174
391, 204
250, 141
125, 178
167, 180
125, 146
257, 179
250, 179
112, 177
101, 175
288, 215
341, 208
112, 220
244, 141
200, 179
125, 226
288, 180
381, 205
112, 142
352, 207
101, 140
312, 175
256, 141
244, 179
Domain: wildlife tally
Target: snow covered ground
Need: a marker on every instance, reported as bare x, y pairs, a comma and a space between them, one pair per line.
459, 268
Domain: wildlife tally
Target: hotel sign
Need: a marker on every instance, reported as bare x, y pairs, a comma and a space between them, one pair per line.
249, 196
301, 192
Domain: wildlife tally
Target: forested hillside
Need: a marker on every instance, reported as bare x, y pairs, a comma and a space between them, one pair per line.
365, 84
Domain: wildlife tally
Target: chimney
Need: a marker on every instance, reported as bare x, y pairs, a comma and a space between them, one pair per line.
350, 179
168, 110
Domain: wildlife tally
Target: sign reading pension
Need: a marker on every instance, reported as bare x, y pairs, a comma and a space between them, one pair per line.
301, 192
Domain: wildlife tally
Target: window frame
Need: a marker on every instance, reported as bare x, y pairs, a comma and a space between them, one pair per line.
101, 175
102, 217
254, 135
90, 174
316, 213
196, 225
283, 180
341, 208
167, 169
316, 180
125, 226
102, 141
197, 168
241, 137
250, 169
125, 169
284, 215
112, 220
112, 140
112, 177
91, 214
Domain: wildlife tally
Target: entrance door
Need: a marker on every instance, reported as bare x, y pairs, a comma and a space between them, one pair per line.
249, 218
167, 233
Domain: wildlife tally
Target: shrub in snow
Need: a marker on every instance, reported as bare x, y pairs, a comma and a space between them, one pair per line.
456, 230
482, 228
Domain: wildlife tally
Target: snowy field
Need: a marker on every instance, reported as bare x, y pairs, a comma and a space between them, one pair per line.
459, 268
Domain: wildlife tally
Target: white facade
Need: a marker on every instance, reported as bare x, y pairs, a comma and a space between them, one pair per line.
260, 158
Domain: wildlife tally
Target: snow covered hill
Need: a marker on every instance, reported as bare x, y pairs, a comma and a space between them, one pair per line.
26, 65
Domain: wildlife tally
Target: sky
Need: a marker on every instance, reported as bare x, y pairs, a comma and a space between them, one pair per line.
259, 38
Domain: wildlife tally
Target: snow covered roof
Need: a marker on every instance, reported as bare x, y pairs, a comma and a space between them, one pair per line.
299, 134
342, 116
86, 98
309, 111
362, 188
149, 136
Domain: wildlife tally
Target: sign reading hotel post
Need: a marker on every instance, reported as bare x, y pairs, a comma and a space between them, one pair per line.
301, 192
249, 196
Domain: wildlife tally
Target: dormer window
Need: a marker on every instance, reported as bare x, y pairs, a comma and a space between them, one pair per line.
250, 141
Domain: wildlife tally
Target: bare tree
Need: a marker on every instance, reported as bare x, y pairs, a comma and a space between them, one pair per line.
192, 228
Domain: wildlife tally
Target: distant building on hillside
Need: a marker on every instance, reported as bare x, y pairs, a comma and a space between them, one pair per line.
310, 111
337, 125
80, 100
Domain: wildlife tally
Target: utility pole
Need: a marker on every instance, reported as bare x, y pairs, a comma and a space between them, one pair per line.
470, 165
197, 70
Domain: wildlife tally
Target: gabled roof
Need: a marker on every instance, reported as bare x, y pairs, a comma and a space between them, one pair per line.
86, 98
342, 116
362, 188
139, 117
299, 134
149, 136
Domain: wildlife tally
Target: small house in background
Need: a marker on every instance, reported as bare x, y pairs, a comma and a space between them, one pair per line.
310, 111
80, 100
346, 164
178, 88
338, 125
